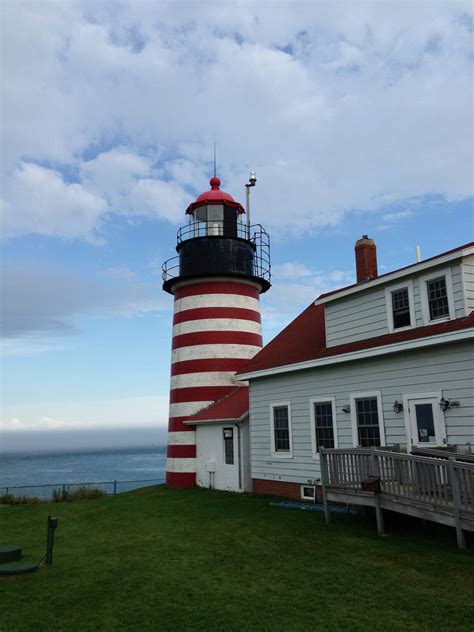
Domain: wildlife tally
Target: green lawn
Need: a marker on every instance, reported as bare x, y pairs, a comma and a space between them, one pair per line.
157, 559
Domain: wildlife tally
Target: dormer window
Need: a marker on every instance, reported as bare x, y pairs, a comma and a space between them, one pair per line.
400, 306
437, 297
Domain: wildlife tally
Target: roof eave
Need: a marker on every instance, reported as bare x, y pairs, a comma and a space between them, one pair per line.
361, 354
204, 422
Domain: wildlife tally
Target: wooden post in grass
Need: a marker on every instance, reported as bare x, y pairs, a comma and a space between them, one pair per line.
456, 494
378, 509
323, 463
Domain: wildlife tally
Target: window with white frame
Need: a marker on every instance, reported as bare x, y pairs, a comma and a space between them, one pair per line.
307, 492
400, 306
437, 297
367, 420
228, 446
323, 423
281, 429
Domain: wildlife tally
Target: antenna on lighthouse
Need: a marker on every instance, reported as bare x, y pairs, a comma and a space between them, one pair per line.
215, 171
251, 183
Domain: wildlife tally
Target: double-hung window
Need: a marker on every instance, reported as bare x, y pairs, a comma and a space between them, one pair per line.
437, 298
400, 306
323, 423
281, 430
367, 420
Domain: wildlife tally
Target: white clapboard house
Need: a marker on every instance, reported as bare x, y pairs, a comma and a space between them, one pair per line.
388, 361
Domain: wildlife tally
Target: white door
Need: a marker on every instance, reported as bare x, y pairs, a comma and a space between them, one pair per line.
426, 421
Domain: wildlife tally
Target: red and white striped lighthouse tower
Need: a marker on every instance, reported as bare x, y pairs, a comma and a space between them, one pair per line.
222, 267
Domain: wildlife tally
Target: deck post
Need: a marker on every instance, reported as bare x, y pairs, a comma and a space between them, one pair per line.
456, 493
378, 509
323, 464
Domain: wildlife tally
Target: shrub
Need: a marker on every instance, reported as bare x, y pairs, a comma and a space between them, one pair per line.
11, 499
80, 493
87, 493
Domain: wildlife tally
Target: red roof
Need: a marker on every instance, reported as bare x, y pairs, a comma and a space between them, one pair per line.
231, 407
363, 285
214, 196
305, 339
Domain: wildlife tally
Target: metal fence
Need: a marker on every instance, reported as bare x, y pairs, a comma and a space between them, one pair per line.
46, 491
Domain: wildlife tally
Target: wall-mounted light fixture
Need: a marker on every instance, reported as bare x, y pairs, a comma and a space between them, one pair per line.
444, 404
397, 406
346, 408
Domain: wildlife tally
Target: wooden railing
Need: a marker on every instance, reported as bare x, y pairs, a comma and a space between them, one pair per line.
445, 485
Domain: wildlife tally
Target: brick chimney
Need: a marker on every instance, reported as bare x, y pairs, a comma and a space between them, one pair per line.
366, 259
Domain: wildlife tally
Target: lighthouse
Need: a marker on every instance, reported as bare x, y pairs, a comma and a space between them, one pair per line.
222, 267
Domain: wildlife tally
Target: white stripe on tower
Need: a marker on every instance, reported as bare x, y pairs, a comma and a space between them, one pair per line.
216, 329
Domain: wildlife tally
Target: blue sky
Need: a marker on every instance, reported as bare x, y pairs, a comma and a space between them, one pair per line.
357, 118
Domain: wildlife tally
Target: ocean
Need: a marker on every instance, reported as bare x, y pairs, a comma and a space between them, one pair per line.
131, 468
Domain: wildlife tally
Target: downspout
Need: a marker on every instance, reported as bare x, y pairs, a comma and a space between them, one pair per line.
239, 456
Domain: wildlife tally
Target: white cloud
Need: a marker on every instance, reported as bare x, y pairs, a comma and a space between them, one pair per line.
39, 201
396, 217
338, 106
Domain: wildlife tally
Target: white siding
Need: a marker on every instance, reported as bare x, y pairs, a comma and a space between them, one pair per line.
468, 275
449, 369
364, 315
356, 317
210, 447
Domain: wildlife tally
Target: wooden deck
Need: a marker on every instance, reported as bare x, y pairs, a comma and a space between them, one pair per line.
436, 489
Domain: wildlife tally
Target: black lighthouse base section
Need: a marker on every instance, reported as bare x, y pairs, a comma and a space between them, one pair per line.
218, 256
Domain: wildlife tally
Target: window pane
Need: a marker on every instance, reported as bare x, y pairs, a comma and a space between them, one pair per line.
401, 308
438, 298
324, 425
368, 422
215, 213
229, 446
201, 214
425, 423
281, 429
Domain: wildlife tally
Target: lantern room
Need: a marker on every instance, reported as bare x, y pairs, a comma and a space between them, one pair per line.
216, 242
215, 213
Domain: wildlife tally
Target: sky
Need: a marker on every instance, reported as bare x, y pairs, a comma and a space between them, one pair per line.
356, 116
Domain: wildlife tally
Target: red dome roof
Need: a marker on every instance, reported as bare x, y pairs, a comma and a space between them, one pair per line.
214, 196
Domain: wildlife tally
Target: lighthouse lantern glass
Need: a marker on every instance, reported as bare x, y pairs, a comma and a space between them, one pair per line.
215, 219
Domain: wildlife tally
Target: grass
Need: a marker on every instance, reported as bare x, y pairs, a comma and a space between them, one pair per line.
157, 559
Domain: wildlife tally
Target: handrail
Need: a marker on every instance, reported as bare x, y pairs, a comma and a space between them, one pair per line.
259, 240
442, 454
438, 484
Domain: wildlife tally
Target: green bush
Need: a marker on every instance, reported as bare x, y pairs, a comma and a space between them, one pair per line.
80, 493
11, 499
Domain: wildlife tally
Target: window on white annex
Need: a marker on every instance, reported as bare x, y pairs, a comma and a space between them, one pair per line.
400, 306
281, 439
228, 446
437, 298
323, 423
367, 419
